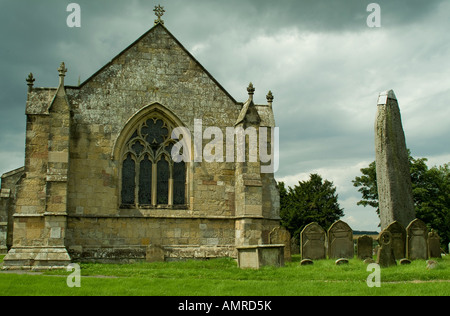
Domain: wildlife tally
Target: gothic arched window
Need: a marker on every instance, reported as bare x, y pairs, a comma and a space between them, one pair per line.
150, 178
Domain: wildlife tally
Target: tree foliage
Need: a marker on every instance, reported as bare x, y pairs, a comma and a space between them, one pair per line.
310, 201
431, 193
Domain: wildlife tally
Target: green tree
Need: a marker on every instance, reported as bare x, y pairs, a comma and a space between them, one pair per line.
310, 201
431, 194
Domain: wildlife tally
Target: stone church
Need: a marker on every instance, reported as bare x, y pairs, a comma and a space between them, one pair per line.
100, 184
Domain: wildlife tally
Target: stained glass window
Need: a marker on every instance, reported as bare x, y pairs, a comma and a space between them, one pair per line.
179, 180
145, 182
147, 167
163, 182
128, 181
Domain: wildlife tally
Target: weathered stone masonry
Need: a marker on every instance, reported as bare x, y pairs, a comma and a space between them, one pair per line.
69, 203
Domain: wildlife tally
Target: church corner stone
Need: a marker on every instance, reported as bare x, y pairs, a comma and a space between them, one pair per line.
392, 164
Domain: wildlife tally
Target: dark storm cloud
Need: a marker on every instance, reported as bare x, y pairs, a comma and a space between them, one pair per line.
318, 15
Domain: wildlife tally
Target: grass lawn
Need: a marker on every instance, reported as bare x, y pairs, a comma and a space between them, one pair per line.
222, 277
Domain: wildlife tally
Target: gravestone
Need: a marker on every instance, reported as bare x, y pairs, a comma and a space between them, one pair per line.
154, 253
365, 247
341, 261
306, 262
295, 246
312, 242
256, 257
431, 264
416, 241
385, 255
369, 261
392, 164
434, 245
340, 241
280, 235
398, 239
404, 261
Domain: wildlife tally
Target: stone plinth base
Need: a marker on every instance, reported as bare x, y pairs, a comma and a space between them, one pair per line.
129, 254
255, 257
36, 258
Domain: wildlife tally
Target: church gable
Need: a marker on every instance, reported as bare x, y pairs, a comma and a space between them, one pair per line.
155, 54
155, 68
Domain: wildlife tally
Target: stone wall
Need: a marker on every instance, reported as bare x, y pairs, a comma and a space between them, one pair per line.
8, 191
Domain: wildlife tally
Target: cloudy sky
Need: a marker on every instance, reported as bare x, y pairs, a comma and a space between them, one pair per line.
324, 65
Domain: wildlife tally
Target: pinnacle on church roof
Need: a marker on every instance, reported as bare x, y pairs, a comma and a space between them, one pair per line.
62, 73
30, 82
269, 97
159, 12
62, 70
251, 90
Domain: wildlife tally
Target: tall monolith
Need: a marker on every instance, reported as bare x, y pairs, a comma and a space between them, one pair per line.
392, 164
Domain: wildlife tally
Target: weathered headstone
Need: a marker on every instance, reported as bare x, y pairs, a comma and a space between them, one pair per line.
340, 241
155, 253
341, 261
431, 264
398, 239
392, 164
306, 262
369, 261
365, 247
258, 256
404, 261
434, 245
416, 241
280, 235
385, 255
295, 246
312, 242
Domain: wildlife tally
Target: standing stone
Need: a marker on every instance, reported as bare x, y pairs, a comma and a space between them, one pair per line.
416, 241
434, 245
392, 164
385, 255
398, 239
280, 235
365, 247
312, 242
340, 241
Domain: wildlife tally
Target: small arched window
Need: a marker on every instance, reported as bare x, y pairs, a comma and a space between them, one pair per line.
150, 178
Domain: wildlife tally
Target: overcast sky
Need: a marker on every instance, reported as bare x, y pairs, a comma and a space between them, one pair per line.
324, 65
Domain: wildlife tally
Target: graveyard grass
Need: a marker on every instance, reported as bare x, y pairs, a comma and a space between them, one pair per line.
222, 277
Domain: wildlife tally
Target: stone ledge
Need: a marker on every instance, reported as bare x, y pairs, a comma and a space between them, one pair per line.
36, 258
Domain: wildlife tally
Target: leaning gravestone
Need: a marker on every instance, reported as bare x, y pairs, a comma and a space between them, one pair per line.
398, 239
365, 247
392, 164
312, 242
340, 241
416, 241
434, 245
385, 255
280, 235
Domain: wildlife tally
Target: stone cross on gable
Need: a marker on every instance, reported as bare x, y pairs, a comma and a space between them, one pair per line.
159, 12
